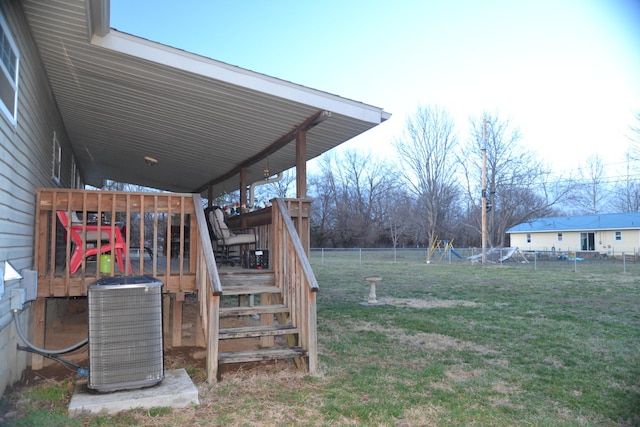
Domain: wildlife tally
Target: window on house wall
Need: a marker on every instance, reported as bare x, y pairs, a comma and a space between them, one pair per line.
559, 237
618, 236
74, 172
56, 159
9, 63
528, 237
76, 180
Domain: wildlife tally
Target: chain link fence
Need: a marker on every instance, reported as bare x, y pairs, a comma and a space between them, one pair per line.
533, 260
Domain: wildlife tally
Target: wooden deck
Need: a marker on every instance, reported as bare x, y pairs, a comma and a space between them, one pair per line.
173, 228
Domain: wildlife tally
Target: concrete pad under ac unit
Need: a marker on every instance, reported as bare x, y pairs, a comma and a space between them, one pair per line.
175, 391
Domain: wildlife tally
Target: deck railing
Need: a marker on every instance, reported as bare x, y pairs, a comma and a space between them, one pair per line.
159, 230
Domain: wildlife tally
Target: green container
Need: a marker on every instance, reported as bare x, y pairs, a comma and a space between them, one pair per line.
105, 264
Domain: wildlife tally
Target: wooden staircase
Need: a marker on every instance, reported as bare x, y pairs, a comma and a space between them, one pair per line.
265, 329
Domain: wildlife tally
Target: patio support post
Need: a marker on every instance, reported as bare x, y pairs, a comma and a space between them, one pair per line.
243, 186
39, 312
301, 165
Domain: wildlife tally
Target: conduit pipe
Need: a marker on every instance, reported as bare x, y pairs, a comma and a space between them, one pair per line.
269, 180
42, 350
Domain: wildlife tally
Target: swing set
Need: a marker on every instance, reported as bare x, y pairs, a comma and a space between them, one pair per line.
444, 246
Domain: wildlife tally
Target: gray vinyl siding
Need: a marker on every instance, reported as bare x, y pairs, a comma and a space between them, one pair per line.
25, 164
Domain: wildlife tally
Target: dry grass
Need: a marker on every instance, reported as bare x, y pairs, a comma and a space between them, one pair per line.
452, 346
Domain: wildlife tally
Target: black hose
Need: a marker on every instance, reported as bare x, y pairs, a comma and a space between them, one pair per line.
49, 356
78, 369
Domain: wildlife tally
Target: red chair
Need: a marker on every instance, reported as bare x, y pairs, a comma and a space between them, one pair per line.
109, 234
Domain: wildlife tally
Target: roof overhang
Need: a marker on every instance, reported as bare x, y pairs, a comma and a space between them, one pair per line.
123, 98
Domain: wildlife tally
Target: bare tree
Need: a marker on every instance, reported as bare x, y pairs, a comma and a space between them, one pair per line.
634, 137
590, 195
427, 149
519, 186
627, 191
398, 222
323, 213
348, 191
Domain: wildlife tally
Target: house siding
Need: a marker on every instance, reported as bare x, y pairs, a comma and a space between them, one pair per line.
25, 164
605, 242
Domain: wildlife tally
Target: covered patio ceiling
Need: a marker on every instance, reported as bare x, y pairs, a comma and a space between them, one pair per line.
123, 98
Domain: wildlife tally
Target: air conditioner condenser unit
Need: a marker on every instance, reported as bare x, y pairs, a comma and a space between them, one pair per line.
125, 333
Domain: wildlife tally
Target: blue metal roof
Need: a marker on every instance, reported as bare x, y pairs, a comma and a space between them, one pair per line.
617, 221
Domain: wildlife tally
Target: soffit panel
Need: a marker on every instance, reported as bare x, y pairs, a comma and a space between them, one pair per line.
118, 108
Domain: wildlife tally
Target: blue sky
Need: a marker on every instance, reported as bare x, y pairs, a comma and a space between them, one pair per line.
566, 72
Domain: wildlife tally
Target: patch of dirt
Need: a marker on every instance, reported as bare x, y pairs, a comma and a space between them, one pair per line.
424, 340
422, 303
460, 373
72, 328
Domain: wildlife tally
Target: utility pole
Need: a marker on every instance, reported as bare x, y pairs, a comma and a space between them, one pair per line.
484, 192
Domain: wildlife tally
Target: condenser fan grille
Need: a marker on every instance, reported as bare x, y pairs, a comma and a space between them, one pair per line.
125, 333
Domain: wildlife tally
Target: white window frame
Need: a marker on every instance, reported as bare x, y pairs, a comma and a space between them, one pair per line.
13, 80
74, 171
618, 236
56, 159
559, 237
76, 179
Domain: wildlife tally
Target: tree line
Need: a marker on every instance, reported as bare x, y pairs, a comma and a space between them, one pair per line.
434, 190
362, 200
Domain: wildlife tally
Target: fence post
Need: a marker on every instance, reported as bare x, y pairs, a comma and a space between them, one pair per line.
360, 250
624, 262
322, 258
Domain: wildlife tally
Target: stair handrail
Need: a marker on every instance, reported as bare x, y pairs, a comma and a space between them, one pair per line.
209, 303
207, 247
297, 246
303, 301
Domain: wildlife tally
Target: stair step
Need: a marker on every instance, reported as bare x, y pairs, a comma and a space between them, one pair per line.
256, 331
247, 277
260, 355
249, 289
256, 309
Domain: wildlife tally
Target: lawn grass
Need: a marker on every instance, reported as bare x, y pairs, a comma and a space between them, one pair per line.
507, 346
455, 345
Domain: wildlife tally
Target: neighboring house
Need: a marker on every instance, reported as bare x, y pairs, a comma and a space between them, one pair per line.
610, 234
81, 103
